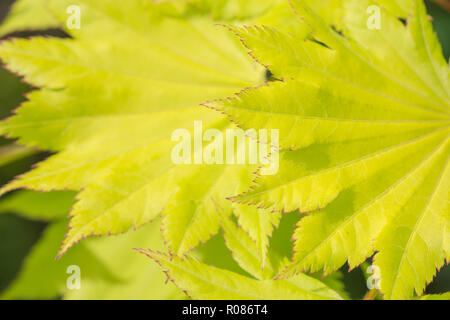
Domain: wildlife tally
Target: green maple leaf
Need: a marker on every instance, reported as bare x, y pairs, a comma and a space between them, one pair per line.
245, 251
109, 269
366, 114
111, 98
41, 277
111, 132
134, 278
113, 141
201, 281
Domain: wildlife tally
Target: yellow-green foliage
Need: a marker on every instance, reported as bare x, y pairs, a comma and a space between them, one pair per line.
363, 115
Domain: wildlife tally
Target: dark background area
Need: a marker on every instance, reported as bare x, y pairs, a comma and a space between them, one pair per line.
18, 235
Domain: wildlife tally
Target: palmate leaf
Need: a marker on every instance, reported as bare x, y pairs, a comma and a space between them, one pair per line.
366, 114
109, 268
110, 100
259, 224
245, 251
255, 280
113, 140
135, 279
201, 281
41, 277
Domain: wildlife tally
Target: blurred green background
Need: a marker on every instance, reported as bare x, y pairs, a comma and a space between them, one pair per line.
18, 235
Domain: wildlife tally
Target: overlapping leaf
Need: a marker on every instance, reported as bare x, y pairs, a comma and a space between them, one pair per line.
370, 134
201, 281
109, 269
366, 113
110, 100
112, 96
